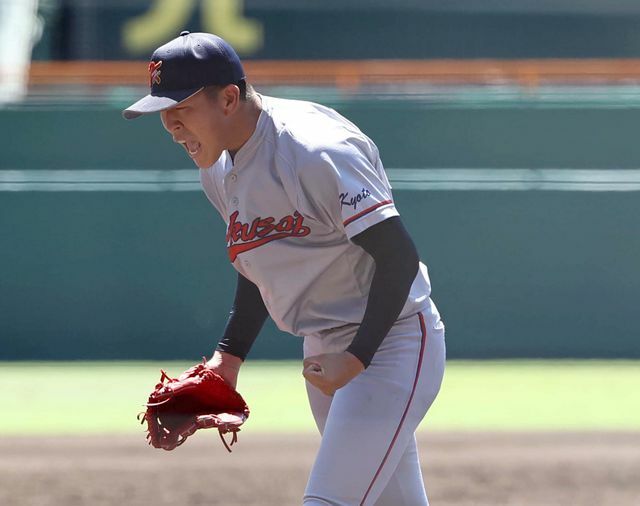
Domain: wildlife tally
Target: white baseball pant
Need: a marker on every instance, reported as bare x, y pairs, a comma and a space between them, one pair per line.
368, 454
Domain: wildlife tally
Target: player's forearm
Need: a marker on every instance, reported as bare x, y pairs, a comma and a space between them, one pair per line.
387, 296
246, 319
397, 263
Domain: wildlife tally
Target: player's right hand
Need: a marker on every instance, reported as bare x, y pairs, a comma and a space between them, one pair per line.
226, 365
330, 371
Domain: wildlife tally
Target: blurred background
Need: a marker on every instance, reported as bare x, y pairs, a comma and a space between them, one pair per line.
508, 129
509, 132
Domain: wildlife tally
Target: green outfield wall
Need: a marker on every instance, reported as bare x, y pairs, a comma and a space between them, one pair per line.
410, 133
528, 264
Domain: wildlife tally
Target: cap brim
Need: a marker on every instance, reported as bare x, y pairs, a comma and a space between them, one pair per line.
157, 103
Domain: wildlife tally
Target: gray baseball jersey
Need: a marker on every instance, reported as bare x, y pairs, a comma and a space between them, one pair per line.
305, 183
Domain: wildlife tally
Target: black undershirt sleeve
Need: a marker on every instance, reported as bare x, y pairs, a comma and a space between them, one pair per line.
396, 259
246, 318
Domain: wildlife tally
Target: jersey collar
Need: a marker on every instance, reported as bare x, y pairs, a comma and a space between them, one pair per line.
245, 152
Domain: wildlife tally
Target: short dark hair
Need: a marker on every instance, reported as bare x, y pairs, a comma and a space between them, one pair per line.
245, 89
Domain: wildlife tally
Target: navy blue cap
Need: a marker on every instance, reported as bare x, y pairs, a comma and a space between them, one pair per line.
182, 67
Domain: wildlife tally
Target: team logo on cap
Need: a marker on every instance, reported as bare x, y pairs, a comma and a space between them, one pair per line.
154, 72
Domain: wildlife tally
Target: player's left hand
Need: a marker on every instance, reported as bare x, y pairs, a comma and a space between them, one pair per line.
330, 371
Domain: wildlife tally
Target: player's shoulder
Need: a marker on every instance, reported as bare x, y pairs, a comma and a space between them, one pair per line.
309, 132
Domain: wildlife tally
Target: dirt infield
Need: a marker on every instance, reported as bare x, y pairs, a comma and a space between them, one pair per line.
461, 469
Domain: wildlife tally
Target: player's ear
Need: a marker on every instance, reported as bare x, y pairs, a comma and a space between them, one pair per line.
230, 98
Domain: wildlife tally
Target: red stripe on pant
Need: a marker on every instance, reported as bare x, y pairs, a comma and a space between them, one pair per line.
423, 343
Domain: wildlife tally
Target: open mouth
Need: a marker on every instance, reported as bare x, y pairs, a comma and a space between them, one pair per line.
192, 147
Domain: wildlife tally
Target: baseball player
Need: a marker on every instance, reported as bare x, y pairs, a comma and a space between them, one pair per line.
318, 245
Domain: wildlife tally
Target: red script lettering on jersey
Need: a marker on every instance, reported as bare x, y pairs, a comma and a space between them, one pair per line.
261, 231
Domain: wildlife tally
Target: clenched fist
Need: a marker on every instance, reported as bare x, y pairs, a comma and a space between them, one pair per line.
330, 371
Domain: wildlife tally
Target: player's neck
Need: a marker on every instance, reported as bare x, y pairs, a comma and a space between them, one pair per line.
247, 121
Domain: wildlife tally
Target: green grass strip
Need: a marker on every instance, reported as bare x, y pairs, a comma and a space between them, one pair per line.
98, 397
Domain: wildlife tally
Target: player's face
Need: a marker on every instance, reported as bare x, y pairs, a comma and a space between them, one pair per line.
199, 124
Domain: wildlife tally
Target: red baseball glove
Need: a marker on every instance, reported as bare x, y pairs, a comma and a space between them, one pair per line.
198, 399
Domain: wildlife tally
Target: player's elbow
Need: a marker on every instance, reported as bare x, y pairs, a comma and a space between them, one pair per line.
392, 249
410, 260
399, 261
403, 253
